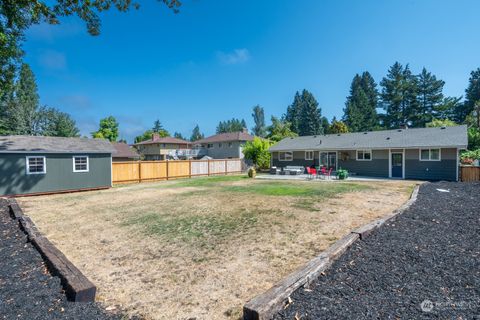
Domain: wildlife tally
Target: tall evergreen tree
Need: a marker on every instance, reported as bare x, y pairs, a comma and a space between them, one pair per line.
22, 105
233, 125
430, 98
279, 130
178, 135
472, 95
360, 112
399, 96
310, 117
293, 112
196, 134
259, 119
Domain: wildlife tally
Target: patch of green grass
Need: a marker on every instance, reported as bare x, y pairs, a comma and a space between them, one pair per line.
207, 181
199, 229
297, 190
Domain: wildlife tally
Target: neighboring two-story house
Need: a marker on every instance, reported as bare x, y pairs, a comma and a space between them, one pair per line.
225, 145
163, 148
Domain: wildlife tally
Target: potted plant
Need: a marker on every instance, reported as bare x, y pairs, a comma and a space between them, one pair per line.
342, 174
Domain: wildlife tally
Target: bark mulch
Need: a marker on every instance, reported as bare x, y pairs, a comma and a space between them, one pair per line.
27, 290
425, 264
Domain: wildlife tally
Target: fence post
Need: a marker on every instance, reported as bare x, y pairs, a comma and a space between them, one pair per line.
225, 167
139, 172
167, 169
208, 166
189, 168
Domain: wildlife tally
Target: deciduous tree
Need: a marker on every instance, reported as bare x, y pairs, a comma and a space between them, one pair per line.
108, 129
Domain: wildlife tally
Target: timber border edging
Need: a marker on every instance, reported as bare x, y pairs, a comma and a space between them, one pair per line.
267, 304
76, 285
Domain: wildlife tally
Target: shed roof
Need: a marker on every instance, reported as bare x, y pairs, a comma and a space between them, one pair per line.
40, 144
402, 138
225, 137
123, 150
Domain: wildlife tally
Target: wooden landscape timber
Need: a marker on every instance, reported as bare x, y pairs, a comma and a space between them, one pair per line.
267, 304
77, 287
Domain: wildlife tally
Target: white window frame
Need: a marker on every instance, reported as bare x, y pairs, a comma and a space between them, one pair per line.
81, 156
290, 158
209, 145
28, 164
364, 151
309, 152
430, 154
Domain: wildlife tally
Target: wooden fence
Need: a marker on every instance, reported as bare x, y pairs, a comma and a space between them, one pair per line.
468, 174
140, 171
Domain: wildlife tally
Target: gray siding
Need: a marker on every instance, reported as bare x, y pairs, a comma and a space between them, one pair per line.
377, 167
446, 169
298, 160
59, 176
224, 151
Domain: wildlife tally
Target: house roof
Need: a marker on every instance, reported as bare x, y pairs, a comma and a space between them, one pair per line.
164, 140
225, 137
123, 150
39, 144
402, 138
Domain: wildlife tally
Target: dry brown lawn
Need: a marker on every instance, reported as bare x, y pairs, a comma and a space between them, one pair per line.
201, 248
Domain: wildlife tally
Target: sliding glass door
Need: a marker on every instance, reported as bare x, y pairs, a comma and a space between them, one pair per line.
328, 159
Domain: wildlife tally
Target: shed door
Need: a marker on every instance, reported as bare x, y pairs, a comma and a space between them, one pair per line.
397, 165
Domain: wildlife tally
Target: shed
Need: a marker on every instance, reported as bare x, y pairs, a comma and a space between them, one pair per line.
37, 165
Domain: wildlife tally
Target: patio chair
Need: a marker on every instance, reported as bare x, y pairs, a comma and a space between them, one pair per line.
322, 172
311, 172
329, 174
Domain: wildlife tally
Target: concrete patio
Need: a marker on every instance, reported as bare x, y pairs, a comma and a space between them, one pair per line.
307, 177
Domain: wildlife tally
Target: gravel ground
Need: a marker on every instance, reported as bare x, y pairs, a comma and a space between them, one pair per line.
431, 252
27, 290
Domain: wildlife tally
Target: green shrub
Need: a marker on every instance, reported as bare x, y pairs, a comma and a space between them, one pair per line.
342, 174
252, 172
468, 157
257, 151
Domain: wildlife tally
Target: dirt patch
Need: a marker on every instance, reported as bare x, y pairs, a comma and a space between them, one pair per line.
201, 249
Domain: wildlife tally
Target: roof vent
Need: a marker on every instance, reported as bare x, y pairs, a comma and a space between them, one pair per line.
291, 138
443, 127
365, 132
339, 134
314, 136
320, 142
388, 138
399, 130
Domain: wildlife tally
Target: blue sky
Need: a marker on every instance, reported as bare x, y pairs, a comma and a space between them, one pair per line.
217, 59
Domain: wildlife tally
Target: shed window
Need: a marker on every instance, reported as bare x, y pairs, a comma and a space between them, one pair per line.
364, 155
429, 154
80, 164
308, 155
36, 165
230, 144
210, 145
285, 156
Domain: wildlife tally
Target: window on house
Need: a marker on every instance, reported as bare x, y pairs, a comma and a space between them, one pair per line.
36, 165
308, 155
364, 155
219, 145
285, 156
80, 164
429, 154
210, 145
230, 144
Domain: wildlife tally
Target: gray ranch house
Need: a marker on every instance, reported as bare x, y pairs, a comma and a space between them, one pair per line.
224, 145
422, 153
38, 165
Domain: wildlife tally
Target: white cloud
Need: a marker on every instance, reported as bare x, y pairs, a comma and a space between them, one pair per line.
75, 101
237, 56
48, 33
52, 60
